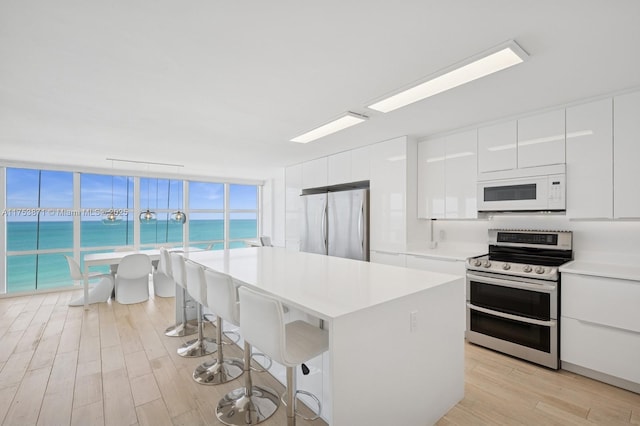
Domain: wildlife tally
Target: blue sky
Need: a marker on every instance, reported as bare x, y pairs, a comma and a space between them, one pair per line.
96, 192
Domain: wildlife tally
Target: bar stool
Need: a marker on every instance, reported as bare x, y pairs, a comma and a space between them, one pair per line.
201, 345
262, 323
222, 299
177, 273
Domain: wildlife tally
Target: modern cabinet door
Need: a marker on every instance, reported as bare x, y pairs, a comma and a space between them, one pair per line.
293, 188
314, 173
600, 328
497, 147
461, 171
360, 164
626, 152
541, 139
339, 168
590, 160
387, 202
431, 179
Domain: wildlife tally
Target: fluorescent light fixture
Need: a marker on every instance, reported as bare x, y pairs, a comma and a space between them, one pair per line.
347, 120
489, 62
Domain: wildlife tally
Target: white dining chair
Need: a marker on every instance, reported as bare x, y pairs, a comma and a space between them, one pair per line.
98, 293
163, 283
132, 279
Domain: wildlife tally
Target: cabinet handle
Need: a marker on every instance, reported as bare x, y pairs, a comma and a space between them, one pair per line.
611, 327
551, 323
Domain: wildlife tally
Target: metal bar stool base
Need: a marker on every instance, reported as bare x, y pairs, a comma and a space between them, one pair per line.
237, 409
181, 330
214, 373
197, 348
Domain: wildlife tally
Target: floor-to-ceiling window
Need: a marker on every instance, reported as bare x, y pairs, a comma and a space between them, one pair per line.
206, 215
50, 214
162, 197
243, 214
39, 228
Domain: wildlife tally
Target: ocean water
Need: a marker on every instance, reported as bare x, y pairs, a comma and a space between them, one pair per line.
31, 272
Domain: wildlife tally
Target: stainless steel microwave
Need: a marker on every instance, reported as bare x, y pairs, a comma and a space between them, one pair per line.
523, 190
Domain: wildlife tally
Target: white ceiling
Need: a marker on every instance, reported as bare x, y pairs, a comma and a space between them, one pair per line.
221, 86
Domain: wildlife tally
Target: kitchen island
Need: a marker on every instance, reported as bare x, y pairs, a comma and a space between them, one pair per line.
396, 335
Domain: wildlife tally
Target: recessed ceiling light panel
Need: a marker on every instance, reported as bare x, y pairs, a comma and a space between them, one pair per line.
489, 62
347, 120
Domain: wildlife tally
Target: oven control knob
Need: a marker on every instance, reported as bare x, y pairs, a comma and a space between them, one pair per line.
506, 266
487, 264
539, 270
527, 268
477, 262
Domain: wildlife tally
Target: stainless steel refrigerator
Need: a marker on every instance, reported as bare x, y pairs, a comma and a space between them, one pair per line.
336, 223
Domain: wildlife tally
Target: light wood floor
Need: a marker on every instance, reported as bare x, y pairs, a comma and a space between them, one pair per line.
112, 365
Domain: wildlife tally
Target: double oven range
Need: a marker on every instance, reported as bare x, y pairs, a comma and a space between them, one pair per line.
513, 294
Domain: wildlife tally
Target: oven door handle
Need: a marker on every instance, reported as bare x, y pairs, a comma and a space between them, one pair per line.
551, 323
541, 288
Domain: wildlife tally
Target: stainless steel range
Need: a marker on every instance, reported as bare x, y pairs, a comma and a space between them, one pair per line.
513, 294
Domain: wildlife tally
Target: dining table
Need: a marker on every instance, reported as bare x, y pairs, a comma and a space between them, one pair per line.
114, 258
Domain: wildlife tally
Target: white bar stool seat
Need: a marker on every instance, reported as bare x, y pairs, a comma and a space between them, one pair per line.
222, 299
262, 324
196, 287
176, 264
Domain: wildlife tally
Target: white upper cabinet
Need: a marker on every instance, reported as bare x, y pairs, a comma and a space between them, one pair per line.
314, 173
461, 171
360, 164
339, 168
497, 147
626, 153
388, 195
447, 173
590, 160
431, 179
541, 139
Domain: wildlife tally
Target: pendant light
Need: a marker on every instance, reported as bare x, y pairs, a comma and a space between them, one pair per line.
110, 217
148, 217
179, 216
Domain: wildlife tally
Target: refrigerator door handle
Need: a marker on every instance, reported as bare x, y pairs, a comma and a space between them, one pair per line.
361, 225
324, 228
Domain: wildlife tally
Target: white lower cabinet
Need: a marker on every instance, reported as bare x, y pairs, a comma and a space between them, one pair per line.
600, 328
387, 258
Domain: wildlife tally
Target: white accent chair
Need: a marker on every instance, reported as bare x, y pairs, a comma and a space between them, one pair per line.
223, 300
99, 293
132, 279
163, 283
262, 323
178, 274
196, 287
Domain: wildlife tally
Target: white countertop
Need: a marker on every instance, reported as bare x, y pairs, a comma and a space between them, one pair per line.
607, 270
444, 251
328, 287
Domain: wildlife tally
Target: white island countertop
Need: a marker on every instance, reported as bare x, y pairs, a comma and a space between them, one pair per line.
396, 335
326, 286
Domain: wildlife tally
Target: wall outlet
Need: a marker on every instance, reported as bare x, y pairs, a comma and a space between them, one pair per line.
442, 235
413, 321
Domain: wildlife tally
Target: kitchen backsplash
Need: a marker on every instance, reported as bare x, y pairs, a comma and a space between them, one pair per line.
598, 241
